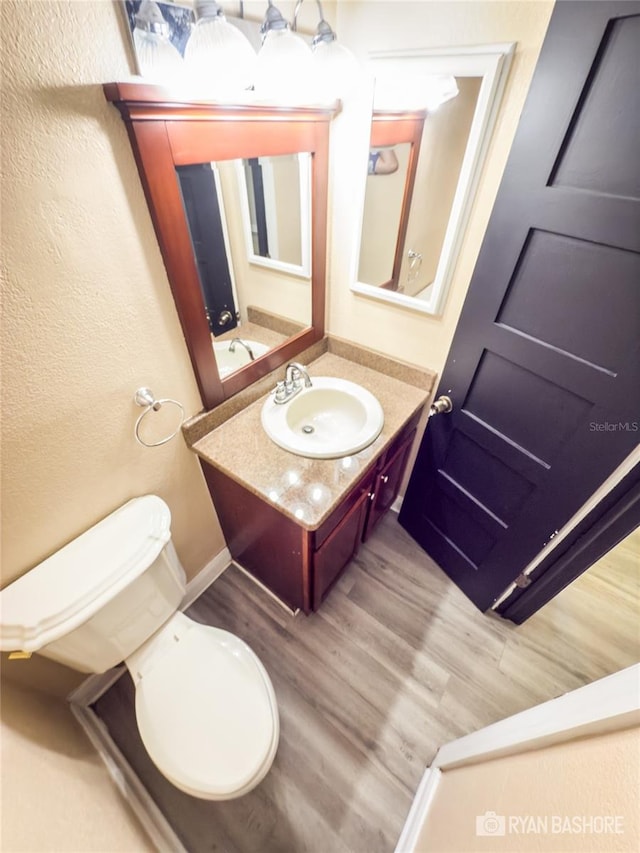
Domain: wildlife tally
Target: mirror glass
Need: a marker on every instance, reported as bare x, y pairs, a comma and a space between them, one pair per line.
387, 172
275, 196
249, 223
460, 92
444, 142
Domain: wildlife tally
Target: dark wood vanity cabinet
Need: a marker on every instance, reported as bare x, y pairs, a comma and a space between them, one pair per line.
387, 482
300, 565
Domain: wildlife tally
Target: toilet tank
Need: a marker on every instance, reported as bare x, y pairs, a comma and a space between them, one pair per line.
95, 601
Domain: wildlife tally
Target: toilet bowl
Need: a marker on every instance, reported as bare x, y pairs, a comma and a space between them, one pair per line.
205, 706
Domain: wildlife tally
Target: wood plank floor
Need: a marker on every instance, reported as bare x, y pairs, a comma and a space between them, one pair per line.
396, 663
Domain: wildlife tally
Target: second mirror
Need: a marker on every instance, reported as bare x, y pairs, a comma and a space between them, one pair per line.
249, 223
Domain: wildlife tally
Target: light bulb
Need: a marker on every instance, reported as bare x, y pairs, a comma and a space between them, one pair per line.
337, 69
285, 68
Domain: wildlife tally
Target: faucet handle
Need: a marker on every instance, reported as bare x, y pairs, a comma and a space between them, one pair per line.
280, 392
297, 372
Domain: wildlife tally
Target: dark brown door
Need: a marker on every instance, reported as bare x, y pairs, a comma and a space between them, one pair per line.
544, 368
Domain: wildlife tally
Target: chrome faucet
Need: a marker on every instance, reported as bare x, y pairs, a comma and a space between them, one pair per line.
294, 376
232, 347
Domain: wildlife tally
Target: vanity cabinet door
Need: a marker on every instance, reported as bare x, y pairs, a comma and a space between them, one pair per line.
387, 483
338, 549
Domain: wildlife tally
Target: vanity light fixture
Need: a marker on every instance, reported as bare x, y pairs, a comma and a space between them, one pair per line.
219, 59
286, 65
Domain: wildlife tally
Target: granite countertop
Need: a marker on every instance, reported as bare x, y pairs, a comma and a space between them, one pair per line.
307, 490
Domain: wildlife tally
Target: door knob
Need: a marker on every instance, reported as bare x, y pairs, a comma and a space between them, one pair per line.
441, 406
224, 317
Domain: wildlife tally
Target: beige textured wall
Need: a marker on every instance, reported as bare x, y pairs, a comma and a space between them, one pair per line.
597, 776
374, 25
88, 315
55, 793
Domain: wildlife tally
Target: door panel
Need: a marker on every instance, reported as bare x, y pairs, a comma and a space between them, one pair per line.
544, 368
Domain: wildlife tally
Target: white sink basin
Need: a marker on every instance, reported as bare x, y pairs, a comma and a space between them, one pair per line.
229, 361
333, 418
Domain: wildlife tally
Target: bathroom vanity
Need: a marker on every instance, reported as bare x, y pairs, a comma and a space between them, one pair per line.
295, 523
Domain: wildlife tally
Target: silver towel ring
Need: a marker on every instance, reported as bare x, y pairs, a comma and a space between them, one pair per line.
144, 397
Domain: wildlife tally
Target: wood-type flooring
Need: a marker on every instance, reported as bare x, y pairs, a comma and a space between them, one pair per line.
396, 663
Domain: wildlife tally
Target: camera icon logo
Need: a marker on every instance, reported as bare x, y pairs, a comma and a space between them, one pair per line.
490, 823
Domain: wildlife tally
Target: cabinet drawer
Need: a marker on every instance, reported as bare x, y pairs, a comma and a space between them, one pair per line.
337, 550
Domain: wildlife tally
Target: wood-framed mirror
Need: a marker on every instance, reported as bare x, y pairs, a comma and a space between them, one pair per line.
238, 199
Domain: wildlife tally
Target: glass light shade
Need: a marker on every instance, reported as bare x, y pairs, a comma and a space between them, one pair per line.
285, 69
337, 69
157, 58
219, 59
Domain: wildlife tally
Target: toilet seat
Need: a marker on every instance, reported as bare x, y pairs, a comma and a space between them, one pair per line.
206, 710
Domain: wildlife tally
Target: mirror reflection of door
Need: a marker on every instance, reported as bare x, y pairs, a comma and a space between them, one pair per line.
443, 147
250, 309
201, 200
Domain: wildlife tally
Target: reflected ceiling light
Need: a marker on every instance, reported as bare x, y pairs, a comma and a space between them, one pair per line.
218, 57
414, 92
440, 88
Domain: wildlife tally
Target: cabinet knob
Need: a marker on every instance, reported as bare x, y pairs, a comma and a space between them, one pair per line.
385, 479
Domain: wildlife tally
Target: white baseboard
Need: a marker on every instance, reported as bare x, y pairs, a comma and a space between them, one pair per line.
126, 780
418, 811
397, 504
205, 577
266, 589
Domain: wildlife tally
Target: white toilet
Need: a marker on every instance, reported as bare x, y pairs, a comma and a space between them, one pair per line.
205, 705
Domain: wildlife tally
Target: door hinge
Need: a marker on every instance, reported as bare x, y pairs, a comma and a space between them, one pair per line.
522, 581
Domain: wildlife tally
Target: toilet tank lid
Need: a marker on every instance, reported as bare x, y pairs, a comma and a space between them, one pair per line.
71, 585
